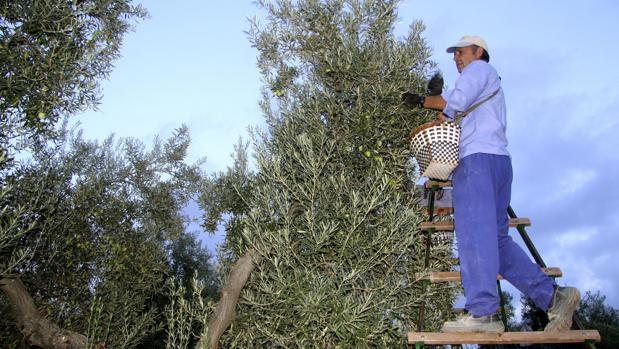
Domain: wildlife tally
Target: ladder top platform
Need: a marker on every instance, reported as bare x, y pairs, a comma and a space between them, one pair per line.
448, 276
438, 338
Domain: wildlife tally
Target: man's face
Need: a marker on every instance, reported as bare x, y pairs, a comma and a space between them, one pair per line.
463, 56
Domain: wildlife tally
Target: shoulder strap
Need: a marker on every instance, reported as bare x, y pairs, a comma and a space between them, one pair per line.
459, 117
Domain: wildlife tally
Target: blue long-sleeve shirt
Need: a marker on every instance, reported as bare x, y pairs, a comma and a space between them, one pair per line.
483, 130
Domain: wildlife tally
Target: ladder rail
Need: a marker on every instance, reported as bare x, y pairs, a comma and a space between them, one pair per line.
538, 259
430, 207
527, 240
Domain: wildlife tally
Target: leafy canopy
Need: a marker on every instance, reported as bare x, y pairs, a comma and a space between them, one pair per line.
53, 55
331, 209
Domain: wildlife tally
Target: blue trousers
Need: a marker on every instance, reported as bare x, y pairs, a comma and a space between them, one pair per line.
481, 195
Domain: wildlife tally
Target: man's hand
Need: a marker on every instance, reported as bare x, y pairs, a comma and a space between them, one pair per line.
413, 100
435, 88
435, 85
441, 117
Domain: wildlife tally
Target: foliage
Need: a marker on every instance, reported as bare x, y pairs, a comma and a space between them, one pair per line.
190, 263
192, 277
93, 229
11, 231
332, 210
224, 199
53, 54
533, 318
99, 247
186, 314
596, 314
508, 303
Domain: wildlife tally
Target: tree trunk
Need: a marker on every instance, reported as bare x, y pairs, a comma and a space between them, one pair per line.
37, 330
224, 314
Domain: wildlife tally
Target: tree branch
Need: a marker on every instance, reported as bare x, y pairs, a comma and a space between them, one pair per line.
224, 314
37, 330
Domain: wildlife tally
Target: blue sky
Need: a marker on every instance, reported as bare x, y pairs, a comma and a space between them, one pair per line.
191, 63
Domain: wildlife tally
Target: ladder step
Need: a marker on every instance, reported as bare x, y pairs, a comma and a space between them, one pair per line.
449, 225
460, 311
447, 276
442, 211
440, 184
439, 338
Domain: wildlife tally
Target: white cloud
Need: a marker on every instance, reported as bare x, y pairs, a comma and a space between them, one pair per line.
572, 180
575, 238
586, 121
579, 269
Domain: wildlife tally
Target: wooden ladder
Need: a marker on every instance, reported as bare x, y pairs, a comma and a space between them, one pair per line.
421, 338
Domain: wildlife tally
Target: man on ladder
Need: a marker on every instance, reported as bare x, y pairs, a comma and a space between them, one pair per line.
481, 196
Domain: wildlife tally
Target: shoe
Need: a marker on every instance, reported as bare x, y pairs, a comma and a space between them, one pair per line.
470, 323
565, 302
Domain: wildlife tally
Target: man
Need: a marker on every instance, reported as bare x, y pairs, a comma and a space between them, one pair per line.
481, 195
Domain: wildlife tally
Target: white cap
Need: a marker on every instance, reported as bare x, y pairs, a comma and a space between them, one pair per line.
468, 40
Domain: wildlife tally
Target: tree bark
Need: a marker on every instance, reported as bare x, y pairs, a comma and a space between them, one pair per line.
37, 330
225, 311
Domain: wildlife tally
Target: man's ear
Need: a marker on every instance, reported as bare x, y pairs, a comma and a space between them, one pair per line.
479, 51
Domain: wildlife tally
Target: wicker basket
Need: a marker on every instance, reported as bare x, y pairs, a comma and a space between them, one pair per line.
435, 146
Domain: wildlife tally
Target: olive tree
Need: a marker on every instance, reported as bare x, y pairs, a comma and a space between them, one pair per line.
325, 239
53, 54
108, 217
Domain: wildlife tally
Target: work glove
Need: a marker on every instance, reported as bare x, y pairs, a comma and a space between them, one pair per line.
413, 100
435, 88
435, 85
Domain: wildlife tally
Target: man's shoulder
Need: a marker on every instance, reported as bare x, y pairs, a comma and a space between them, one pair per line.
479, 66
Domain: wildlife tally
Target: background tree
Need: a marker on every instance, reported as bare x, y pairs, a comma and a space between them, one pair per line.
190, 289
107, 235
510, 311
533, 318
89, 232
596, 314
190, 261
53, 54
332, 216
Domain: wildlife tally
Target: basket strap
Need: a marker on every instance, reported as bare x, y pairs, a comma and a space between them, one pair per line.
460, 116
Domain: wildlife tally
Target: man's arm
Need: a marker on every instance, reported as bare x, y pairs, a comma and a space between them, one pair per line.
435, 102
432, 100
